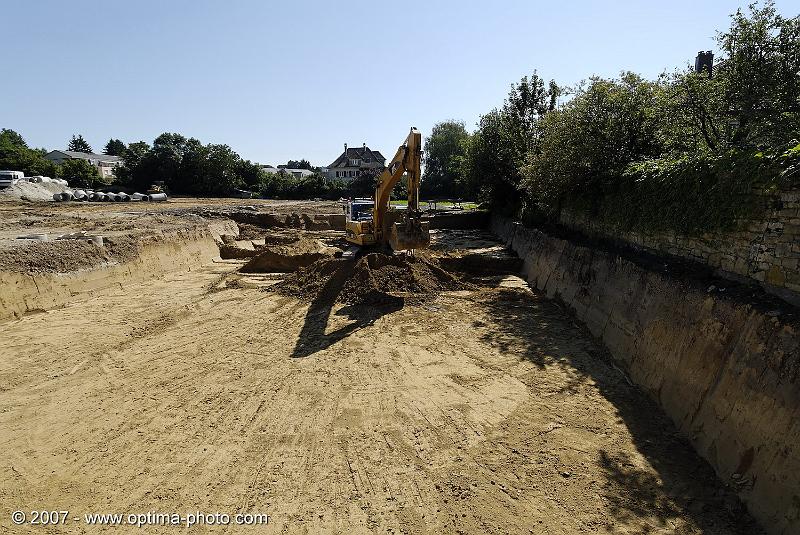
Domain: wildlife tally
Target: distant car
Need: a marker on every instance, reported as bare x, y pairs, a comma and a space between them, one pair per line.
9, 177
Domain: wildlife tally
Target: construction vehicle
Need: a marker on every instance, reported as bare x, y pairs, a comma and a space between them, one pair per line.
157, 187
371, 222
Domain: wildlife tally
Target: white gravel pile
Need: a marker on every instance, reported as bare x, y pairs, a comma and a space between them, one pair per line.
30, 191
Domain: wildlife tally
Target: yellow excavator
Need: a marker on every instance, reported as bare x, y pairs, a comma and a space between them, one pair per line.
373, 222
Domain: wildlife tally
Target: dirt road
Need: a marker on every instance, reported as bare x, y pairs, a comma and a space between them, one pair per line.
482, 411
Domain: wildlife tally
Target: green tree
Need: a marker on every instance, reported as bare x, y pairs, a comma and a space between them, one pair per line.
586, 146
80, 173
491, 168
445, 149
78, 144
16, 156
275, 185
114, 147
221, 176
527, 102
761, 75
163, 162
11, 138
129, 172
753, 98
496, 153
249, 172
300, 164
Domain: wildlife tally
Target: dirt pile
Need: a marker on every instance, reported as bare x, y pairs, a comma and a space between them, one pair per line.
374, 279
289, 257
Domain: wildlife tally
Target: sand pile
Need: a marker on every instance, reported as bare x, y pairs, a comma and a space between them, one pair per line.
376, 278
30, 191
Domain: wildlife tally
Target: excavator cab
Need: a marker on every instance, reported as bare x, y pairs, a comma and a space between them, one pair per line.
358, 221
395, 228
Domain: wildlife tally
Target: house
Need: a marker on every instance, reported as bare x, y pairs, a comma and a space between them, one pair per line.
104, 162
354, 162
297, 173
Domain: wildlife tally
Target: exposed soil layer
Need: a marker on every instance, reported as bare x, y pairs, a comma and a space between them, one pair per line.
229, 251
486, 410
65, 255
289, 257
375, 278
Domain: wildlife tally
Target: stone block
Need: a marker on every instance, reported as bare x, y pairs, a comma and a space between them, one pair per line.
775, 276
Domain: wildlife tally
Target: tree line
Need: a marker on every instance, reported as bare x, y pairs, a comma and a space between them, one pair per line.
682, 152
185, 166
188, 167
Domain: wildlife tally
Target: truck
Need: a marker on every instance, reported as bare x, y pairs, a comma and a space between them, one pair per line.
9, 177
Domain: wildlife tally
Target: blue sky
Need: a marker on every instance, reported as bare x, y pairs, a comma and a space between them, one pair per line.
297, 79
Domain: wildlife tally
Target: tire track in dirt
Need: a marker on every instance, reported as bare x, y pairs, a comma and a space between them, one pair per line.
444, 418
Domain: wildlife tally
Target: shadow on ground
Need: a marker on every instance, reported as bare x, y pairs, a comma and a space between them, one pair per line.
545, 333
312, 337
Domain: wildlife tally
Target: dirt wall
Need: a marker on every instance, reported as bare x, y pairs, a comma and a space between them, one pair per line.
292, 220
23, 293
726, 372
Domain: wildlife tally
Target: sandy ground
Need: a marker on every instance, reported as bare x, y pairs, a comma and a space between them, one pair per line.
481, 411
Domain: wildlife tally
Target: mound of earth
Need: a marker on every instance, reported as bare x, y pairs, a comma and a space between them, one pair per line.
31, 191
289, 257
237, 250
375, 278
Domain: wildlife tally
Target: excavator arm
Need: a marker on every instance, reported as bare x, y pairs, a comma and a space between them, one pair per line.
406, 230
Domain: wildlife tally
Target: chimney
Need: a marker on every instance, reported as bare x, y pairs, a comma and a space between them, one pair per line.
704, 62
364, 146
345, 149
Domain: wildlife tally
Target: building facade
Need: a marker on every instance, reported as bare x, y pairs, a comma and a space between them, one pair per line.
105, 163
297, 173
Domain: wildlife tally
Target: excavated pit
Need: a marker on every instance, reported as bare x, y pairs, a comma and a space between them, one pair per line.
488, 402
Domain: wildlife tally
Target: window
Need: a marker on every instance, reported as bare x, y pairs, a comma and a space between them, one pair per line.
355, 162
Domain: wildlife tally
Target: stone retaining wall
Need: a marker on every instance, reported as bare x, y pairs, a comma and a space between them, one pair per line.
765, 249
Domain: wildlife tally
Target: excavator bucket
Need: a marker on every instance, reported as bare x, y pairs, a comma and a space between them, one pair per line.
410, 235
